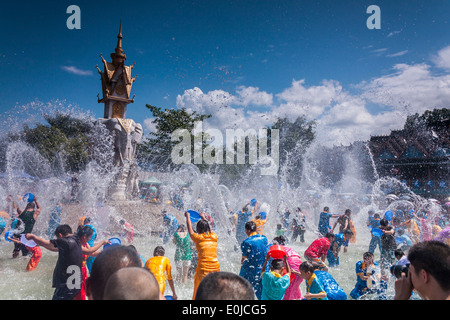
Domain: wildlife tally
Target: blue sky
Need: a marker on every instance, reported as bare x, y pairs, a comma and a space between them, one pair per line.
245, 62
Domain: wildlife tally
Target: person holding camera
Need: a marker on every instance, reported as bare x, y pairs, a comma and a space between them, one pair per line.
428, 273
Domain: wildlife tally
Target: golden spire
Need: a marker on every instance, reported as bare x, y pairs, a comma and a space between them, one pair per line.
118, 56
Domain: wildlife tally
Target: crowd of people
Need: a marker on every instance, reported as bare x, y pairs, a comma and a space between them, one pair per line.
414, 247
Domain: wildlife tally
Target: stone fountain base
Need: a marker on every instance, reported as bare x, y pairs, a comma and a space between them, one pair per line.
145, 217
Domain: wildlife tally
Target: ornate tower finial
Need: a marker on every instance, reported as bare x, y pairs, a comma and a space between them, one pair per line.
118, 56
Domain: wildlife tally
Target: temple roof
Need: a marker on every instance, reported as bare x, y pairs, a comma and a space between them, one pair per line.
426, 143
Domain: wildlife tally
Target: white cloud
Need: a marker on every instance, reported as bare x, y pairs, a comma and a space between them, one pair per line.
311, 102
411, 88
149, 125
393, 33
248, 96
76, 71
342, 117
397, 54
442, 60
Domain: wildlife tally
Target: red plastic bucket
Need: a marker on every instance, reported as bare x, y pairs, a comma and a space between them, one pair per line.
276, 252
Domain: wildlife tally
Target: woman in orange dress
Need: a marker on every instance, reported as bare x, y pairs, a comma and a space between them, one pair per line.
206, 244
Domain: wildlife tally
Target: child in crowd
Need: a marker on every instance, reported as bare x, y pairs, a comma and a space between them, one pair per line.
314, 289
318, 249
85, 233
274, 283
374, 222
366, 270
183, 255
35, 251
260, 221
388, 245
160, 266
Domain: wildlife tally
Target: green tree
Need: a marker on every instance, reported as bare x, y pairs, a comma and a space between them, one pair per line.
295, 137
156, 149
63, 141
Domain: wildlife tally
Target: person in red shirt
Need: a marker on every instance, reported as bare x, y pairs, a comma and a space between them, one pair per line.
128, 230
317, 251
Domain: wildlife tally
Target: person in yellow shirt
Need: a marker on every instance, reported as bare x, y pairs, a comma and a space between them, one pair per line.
159, 265
260, 222
206, 244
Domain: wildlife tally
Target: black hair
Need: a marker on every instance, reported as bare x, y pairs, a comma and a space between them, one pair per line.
85, 231
280, 240
159, 251
106, 263
399, 253
224, 286
349, 232
250, 226
330, 235
306, 266
326, 209
433, 257
277, 264
63, 229
368, 255
203, 226
384, 222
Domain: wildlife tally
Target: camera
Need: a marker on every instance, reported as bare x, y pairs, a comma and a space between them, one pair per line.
397, 270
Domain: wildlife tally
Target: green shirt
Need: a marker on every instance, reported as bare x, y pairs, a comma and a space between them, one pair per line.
183, 247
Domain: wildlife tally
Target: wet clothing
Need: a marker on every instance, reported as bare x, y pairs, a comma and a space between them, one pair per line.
313, 285
318, 248
35, 258
160, 267
242, 219
28, 219
388, 245
293, 292
183, 247
170, 225
324, 223
338, 242
206, 246
54, 222
361, 285
274, 285
254, 249
82, 294
90, 260
68, 266
331, 287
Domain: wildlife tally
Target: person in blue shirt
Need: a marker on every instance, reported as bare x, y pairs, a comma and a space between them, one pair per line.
340, 239
366, 270
243, 217
90, 259
314, 288
324, 221
55, 220
170, 224
254, 250
375, 241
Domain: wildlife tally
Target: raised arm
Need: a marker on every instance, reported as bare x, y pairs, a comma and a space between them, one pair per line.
41, 242
91, 250
189, 224
38, 209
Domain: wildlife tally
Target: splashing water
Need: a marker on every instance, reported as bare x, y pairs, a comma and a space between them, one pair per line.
275, 195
